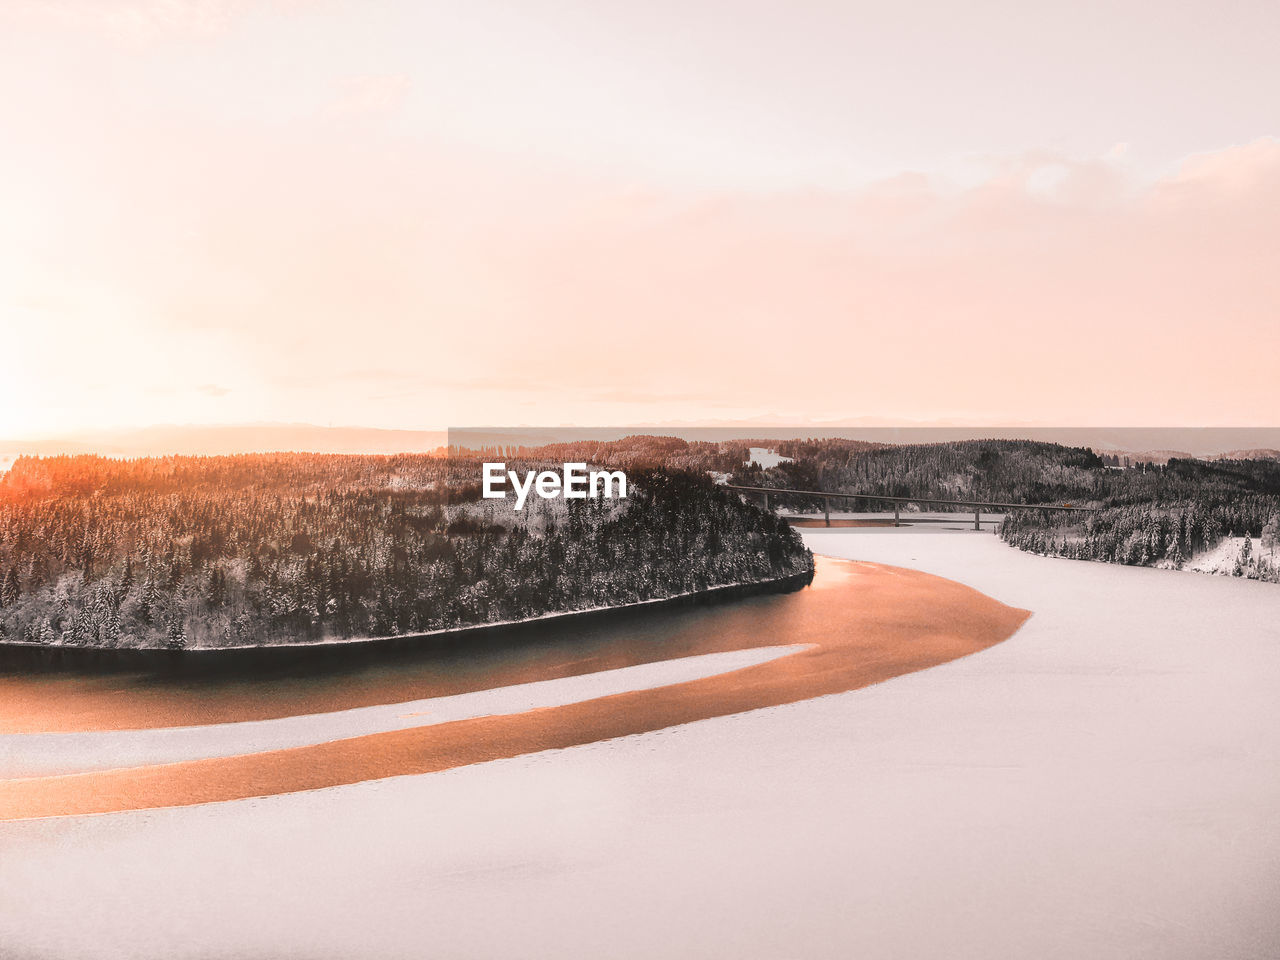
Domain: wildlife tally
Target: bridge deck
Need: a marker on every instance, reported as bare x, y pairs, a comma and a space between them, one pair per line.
972, 504
977, 506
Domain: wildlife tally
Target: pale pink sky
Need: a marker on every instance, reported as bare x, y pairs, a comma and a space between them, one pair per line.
421, 214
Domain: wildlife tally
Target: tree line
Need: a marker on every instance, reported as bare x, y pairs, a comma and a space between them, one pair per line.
282, 548
1150, 513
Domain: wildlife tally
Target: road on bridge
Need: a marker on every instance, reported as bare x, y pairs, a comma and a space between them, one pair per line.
977, 506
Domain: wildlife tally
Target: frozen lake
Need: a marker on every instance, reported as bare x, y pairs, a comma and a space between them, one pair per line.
1104, 784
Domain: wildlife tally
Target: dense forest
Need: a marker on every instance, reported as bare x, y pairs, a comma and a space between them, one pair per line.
280, 548
1149, 513
1007, 471
1166, 515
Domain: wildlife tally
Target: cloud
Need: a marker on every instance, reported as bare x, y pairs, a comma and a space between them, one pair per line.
1118, 151
382, 93
389, 282
144, 20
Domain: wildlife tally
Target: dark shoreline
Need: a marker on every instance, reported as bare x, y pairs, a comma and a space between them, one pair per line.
24, 657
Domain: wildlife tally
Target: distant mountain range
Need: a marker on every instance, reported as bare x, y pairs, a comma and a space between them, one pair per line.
1150, 444
1254, 454
1155, 444
1164, 456
231, 438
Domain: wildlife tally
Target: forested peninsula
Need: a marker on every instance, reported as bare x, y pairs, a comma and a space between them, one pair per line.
220, 552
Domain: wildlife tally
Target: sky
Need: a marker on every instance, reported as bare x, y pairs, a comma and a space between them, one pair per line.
414, 215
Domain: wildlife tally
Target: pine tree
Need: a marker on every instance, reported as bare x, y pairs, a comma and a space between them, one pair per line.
9, 588
174, 579
147, 600
177, 634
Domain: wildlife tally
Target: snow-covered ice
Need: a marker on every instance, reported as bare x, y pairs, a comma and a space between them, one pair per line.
1104, 784
766, 457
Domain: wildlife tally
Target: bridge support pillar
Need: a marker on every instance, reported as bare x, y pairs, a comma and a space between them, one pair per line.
766, 501
977, 519
826, 510
896, 521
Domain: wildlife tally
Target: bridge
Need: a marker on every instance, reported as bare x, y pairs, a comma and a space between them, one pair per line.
977, 506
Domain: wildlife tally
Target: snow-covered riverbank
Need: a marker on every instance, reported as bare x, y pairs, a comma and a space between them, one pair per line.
1101, 785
